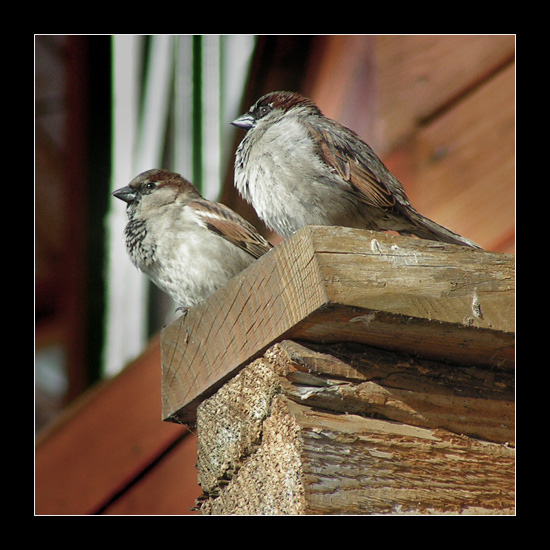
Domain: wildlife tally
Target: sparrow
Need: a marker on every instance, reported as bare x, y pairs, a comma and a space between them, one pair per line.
187, 245
297, 167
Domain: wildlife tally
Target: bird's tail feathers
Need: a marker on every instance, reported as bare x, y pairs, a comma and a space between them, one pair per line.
428, 229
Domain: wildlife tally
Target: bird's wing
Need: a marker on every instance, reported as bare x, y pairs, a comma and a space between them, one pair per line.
354, 161
228, 224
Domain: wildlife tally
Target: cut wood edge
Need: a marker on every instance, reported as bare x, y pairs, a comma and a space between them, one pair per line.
266, 304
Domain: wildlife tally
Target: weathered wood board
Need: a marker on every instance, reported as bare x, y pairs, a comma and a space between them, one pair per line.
332, 284
353, 430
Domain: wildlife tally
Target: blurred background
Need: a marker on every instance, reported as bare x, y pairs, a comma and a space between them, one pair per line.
439, 110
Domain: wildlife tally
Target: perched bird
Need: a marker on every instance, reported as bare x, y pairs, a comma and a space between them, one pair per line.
297, 167
188, 246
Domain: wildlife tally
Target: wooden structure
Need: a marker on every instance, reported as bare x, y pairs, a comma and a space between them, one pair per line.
110, 454
398, 397
439, 110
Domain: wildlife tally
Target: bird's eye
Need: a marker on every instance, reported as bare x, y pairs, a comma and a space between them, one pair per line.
149, 185
264, 109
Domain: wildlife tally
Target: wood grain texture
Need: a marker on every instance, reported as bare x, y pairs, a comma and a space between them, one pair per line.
274, 440
238, 322
331, 284
367, 466
478, 402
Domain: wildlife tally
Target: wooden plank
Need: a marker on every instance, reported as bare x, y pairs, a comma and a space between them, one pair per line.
359, 379
459, 169
329, 284
104, 441
397, 81
464, 163
274, 440
389, 468
169, 488
238, 322
421, 75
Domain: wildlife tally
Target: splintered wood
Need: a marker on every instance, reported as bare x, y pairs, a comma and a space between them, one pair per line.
352, 372
417, 437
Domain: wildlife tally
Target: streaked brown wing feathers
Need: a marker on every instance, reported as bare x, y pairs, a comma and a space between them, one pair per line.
353, 168
232, 227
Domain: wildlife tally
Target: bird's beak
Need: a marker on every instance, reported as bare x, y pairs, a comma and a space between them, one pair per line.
245, 121
126, 194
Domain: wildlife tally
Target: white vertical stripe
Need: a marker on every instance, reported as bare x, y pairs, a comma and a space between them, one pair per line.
236, 56
155, 108
211, 116
183, 108
126, 287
